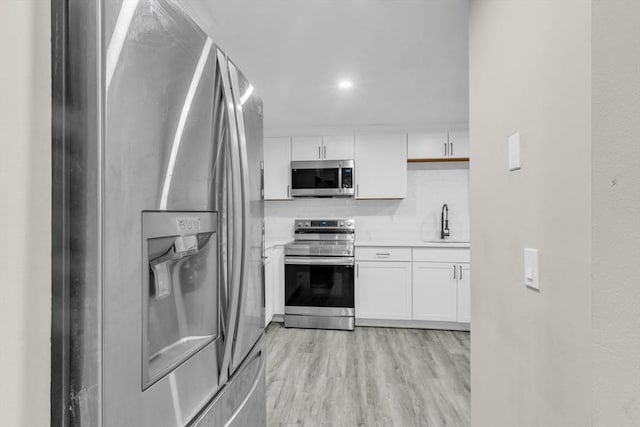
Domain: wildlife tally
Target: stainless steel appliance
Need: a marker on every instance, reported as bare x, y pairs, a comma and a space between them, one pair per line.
322, 178
158, 308
319, 275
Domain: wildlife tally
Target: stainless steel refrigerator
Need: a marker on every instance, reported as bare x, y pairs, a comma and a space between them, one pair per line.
158, 275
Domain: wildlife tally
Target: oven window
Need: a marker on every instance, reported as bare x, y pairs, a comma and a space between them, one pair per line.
319, 285
314, 178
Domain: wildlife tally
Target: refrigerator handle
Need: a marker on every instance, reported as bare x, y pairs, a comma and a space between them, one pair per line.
244, 166
236, 251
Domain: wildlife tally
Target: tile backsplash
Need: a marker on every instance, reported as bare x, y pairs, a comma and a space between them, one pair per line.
415, 218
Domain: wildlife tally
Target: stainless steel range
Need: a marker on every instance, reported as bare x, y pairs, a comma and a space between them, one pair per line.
319, 275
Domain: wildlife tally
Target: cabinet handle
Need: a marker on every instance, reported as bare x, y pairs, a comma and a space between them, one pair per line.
288, 191
460, 272
455, 272
325, 151
357, 190
445, 149
319, 155
451, 150
357, 270
382, 254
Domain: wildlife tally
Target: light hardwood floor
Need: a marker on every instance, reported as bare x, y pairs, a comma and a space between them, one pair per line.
369, 377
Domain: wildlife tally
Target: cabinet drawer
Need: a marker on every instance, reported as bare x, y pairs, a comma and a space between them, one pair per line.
441, 255
381, 253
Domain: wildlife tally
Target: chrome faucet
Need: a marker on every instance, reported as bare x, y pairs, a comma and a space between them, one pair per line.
444, 222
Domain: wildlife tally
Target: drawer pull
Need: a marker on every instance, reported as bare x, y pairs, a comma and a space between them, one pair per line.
382, 254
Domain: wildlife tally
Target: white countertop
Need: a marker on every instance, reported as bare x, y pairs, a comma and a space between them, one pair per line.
276, 242
415, 244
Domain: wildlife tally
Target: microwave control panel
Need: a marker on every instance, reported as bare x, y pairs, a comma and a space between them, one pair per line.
347, 177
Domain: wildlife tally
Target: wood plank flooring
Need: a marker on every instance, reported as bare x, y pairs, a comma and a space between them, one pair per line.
369, 377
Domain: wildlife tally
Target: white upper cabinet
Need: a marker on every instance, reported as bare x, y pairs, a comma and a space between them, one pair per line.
431, 145
381, 166
337, 147
322, 148
439, 145
306, 148
277, 178
459, 143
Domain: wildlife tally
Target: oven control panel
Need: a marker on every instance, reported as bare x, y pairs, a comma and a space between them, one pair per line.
345, 224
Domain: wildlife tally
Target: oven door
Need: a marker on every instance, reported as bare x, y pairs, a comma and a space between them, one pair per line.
320, 282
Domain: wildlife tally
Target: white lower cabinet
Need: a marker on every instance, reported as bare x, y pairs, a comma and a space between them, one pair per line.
273, 283
278, 280
419, 284
435, 292
269, 286
383, 290
464, 293
441, 292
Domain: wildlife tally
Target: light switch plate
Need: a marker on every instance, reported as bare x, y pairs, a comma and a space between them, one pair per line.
514, 152
531, 268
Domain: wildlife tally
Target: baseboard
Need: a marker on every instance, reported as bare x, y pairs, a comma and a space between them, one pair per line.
409, 324
414, 324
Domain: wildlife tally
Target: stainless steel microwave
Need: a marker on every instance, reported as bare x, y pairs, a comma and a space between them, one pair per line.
323, 178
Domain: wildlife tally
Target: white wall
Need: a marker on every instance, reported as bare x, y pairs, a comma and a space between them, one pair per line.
530, 71
412, 219
616, 212
25, 226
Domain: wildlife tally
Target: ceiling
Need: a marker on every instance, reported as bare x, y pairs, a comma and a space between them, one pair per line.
407, 59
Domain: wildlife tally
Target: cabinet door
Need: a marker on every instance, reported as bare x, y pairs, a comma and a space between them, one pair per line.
268, 289
306, 148
464, 293
278, 280
432, 145
277, 176
381, 166
459, 143
435, 292
383, 290
337, 147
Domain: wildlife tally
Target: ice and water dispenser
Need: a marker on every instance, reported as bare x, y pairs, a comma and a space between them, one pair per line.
180, 289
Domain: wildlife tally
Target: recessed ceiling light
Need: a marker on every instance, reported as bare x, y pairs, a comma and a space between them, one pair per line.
345, 84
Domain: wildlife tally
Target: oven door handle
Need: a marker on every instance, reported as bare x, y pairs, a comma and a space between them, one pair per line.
319, 260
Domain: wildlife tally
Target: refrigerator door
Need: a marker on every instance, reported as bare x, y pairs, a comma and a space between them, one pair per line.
166, 222
250, 317
166, 132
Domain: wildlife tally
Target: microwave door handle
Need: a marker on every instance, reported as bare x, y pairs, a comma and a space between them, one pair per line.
340, 179
236, 246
